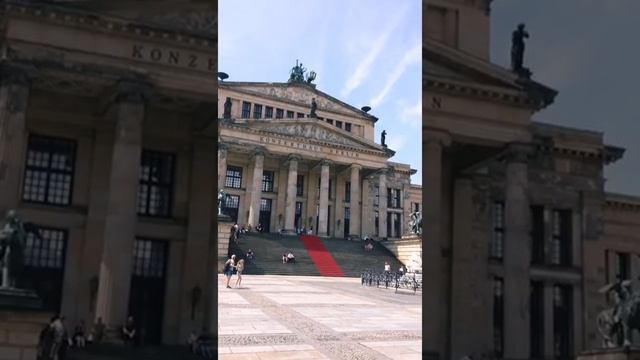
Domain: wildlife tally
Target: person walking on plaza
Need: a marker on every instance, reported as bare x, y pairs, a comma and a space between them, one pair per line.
387, 267
240, 267
228, 269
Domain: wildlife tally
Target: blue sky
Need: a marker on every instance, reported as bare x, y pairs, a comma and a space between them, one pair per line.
364, 53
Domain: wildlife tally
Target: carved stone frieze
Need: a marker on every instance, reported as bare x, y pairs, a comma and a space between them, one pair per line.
310, 131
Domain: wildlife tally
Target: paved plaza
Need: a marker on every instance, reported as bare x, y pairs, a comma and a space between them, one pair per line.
296, 317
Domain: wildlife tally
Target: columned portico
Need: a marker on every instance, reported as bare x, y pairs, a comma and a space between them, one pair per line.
290, 200
323, 215
517, 254
120, 223
254, 189
354, 226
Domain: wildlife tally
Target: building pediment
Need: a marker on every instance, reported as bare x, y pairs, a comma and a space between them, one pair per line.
299, 94
310, 130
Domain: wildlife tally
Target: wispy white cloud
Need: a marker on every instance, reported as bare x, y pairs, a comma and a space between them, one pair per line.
364, 67
411, 57
411, 115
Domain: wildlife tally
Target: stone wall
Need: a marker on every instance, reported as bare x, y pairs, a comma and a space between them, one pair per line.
19, 331
224, 231
406, 248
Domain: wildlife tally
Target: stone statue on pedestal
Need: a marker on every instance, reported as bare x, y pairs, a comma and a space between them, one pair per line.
618, 321
227, 109
384, 137
13, 238
314, 107
415, 224
221, 200
517, 52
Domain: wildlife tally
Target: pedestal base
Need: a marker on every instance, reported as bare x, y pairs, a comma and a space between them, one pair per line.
11, 298
629, 353
20, 323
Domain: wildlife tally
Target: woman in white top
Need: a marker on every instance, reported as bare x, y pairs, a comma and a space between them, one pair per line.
239, 267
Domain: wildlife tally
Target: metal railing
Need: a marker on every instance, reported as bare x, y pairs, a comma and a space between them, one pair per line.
397, 280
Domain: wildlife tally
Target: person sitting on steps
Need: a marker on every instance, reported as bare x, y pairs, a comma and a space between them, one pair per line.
290, 257
249, 254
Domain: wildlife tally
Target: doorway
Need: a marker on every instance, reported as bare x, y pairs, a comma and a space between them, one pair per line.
146, 299
265, 214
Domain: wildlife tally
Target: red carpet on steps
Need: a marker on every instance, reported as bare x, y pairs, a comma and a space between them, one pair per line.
321, 257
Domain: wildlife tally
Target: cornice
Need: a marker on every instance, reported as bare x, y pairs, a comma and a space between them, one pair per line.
230, 125
482, 93
109, 24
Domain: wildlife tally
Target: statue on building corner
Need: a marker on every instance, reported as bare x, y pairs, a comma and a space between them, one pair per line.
314, 107
384, 137
517, 51
13, 240
227, 109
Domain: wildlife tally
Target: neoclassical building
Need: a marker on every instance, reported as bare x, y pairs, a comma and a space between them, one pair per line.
520, 233
107, 143
292, 157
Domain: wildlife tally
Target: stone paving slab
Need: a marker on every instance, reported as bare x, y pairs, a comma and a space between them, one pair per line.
289, 317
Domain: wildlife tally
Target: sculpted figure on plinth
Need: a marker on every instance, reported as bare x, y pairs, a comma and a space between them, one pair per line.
622, 317
221, 200
13, 239
415, 223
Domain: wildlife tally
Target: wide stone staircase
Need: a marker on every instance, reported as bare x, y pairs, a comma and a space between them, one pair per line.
268, 250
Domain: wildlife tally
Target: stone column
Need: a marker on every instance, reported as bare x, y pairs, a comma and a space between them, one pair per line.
121, 219
14, 100
195, 263
382, 205
517, 254
255, 190
324, 199
436, 300
355, 221
290, 200
469, 315
222, 164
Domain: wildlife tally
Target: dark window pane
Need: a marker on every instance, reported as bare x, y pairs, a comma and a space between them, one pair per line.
155, 191
279, 113
347, 126
234, 177
300, 185
267, 181
268, 112
257, 111
49, 170
246, 110
290, 114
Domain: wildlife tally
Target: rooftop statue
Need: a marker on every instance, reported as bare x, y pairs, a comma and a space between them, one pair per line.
297, 74
13, 239
517, 50
623, 316
314, 107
